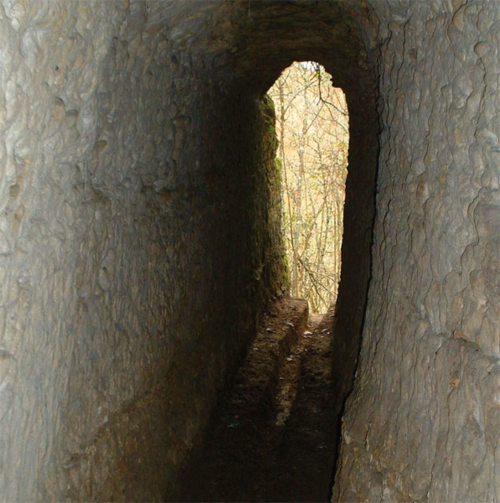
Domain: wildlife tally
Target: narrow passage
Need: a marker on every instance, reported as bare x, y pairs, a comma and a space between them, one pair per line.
273, 436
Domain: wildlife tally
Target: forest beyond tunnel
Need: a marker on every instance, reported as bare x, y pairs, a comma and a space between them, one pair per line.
140, 237
312, 131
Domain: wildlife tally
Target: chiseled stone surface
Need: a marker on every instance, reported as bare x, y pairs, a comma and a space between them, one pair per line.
139, 236
423, 421
137, 245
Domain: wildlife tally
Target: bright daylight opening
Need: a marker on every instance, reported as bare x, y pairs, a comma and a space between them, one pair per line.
312, 123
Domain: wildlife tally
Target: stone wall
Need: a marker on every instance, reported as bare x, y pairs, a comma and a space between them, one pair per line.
423, 421
138, 245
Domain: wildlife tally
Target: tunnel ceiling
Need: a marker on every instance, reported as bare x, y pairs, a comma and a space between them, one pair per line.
253, 41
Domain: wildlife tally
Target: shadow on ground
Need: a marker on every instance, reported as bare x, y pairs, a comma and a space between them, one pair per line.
274, 435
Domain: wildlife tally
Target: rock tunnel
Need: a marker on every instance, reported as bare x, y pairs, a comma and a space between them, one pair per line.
140, 237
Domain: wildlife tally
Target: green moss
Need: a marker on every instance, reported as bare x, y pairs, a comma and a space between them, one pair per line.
271, 271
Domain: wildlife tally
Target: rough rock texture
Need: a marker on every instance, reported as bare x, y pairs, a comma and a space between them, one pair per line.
138, 223
137, 246
423, 422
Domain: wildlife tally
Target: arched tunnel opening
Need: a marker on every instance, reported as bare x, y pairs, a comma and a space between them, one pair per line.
251, 65
273, 434
139, 247
312, 136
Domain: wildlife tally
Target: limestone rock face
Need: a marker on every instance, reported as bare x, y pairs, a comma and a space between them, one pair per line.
139, 236
423, 421
139, 241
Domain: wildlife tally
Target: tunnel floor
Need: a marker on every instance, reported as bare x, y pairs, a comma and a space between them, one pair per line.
273, 436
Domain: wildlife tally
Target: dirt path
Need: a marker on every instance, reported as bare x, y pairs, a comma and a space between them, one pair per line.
273, 437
